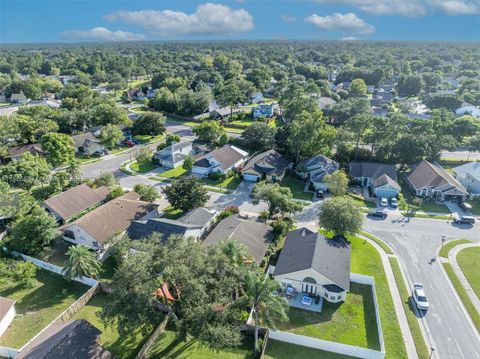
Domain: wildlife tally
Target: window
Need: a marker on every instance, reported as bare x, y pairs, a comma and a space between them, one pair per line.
339, 297
332, 297
69, 234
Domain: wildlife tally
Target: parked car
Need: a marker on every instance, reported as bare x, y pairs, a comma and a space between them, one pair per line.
419, 297
383, 202
464, 220
377, 214
466, 207
320, 194
129, 143
393, 202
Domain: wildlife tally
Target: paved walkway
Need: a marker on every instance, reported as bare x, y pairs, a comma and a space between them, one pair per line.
397, 301
452, 257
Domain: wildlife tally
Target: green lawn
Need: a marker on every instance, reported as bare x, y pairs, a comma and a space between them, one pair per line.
297, 188
413, 324
37, 306
230, 183
449, 245
147, 138
168, 346
281, 350
174, 173
378, 241
467, 302
123, 346
468, 261
234, 130
143, 167
83, 159
172, 213
247, 122
475, 207
351, 322
362, 202
366, 260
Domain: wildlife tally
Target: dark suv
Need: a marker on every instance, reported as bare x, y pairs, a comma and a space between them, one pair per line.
377, 214
464, 220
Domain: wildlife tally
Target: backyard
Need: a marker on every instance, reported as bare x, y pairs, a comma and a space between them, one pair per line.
297, 187
281, 350
169, 346
123, 347
351, 322
37, 306
468, 261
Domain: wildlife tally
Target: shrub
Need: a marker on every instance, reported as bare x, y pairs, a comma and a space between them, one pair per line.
233, 209
281, 227
18, 271
115, 192
217, 176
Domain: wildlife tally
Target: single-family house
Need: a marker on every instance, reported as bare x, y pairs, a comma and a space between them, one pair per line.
87, 144
383, 96
381, 177
263, 110
36, 149
219, 113
76, 339
429, 180
150, 93
66, 205
221, 160
468, 109
269, 166
254, 236
135, 94
314, 265
192, 224
52, 103
326, 102
97, 227
469, 175
314, 170
7, 313
18, 98
257, 97
172, 156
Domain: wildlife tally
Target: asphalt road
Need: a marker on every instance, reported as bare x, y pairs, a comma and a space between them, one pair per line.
461, 154
416, 242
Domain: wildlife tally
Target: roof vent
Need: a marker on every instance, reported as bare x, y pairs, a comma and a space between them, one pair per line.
304, 232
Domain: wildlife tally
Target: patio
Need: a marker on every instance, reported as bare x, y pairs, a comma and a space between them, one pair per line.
300, 301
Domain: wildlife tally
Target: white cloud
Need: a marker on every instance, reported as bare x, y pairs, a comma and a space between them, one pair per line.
288, 18
411, 8
209, 19
102, 34
347, 23
348, 38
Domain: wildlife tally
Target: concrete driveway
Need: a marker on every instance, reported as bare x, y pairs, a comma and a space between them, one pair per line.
416, 242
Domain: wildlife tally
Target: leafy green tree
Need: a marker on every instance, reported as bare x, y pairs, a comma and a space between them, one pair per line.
105, 180
450, 102
60, 148
73, 170
150, 123
267, 307
7, 204
111, 135
188, 163
143, 154
147, 193
209, 131
81, 262
358, 87
59, 182
115, 192
259, 137
337, 183
410, 85
279, 199
25, 173
360, 125
172, 137
230, 95
186, 194
341, 215
34, 232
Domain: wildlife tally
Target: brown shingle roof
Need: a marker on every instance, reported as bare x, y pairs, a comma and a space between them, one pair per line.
75, 200
114, 216
5, 305
270, 162
33, 148
227, 156
429, 175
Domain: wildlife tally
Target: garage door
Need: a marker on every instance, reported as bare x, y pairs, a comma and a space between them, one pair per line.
385, 193
250, 177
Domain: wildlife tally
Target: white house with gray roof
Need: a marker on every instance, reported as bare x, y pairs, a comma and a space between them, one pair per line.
314, 265
173, 156
469, 175
221, 160
314, 169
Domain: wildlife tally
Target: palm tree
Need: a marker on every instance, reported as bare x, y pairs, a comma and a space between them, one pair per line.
81, 262
237, 254
259, 294
73, 170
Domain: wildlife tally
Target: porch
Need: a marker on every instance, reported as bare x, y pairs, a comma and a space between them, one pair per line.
302, 300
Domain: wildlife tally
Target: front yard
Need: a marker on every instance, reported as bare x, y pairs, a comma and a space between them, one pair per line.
351, 322
281, 350
230, 183
297, 187
174, 173
123, 346
37, 306
468, 261
147, 138
143, 167
169, 346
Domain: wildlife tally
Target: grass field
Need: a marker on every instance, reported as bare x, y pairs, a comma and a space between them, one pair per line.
281, 350
468, 261
143, 167
297, 188
174, 173
230, 183
449, 245
169, 346
351, 322
413, 324
378, 241
37, 306
469, 306
123, 346
362, 202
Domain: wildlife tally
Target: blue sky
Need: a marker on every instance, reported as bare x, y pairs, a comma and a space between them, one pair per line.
113, 20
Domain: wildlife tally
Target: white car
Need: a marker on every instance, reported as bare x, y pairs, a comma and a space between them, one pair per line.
383, 202
419, 297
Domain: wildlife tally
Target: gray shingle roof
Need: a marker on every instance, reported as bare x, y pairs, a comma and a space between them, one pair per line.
79, 140
385, 179
227, 156
255, 236
270, 162
33, 148
372, 170
305, 249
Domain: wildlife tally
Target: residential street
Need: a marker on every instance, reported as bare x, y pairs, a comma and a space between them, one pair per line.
416, 242
461, 154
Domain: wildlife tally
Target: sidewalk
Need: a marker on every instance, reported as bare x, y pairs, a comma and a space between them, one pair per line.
452, 257
397, 301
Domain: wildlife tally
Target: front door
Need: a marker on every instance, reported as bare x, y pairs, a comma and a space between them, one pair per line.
309, 288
